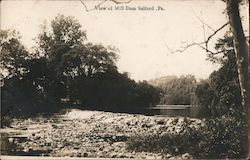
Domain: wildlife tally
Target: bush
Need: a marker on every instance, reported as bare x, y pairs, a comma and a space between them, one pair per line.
223, 137
5, 121
174, 144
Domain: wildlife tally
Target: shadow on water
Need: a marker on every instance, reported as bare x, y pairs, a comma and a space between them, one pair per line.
186, 112
176, 110
192, 112
9, 147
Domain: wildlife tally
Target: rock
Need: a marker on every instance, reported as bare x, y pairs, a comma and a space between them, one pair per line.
79, 154
60, 146
175, 121
54, 126
185, 156
159, 157
85, 154
11, 139
150, 157
26, 150
48, 144
160, 121
168, 155
113, 155
76, 147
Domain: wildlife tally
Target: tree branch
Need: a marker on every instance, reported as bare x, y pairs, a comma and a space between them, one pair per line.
215, 32
199, 44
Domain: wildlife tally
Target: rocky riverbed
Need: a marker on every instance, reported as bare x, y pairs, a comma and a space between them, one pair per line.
79, 133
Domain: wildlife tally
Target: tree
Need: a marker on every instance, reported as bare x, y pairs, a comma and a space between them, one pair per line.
221, 92
13, 54
177, 90
71, 62
59, 44
241, 53
64, 31
20, 92
88, 59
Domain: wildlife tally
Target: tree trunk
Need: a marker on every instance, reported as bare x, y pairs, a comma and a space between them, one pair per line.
241, 51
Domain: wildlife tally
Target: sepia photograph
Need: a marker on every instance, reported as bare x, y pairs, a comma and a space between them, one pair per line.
124, 79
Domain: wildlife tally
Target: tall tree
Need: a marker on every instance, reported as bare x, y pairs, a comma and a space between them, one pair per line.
241, 52
13, 54
59, 43
69, 57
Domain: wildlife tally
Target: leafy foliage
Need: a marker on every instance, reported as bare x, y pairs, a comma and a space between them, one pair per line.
176, 90
64, 31
12, 55
223, 137
221, 92
220, 138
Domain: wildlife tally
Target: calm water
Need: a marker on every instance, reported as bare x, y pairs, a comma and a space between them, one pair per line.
179, 110
185, 112
169, 111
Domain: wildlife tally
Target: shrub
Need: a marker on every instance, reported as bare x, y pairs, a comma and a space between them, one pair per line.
223, 137
5, 121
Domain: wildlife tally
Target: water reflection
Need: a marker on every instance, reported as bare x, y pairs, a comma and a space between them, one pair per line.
193, 112
169, 111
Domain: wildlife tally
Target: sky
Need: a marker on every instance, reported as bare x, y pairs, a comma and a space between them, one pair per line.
145, 39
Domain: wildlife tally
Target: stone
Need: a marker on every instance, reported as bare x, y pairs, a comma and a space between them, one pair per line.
11, 139
113, 155
76, 147
185, 156
159, 157
85, 154
60, 146
168, 155
150, 157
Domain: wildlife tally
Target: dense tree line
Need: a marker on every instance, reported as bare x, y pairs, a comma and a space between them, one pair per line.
66, 71
176, 90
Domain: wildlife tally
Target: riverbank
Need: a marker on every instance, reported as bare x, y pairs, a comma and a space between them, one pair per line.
94, 134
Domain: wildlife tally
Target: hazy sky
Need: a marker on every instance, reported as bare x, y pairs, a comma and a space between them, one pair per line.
143, 37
